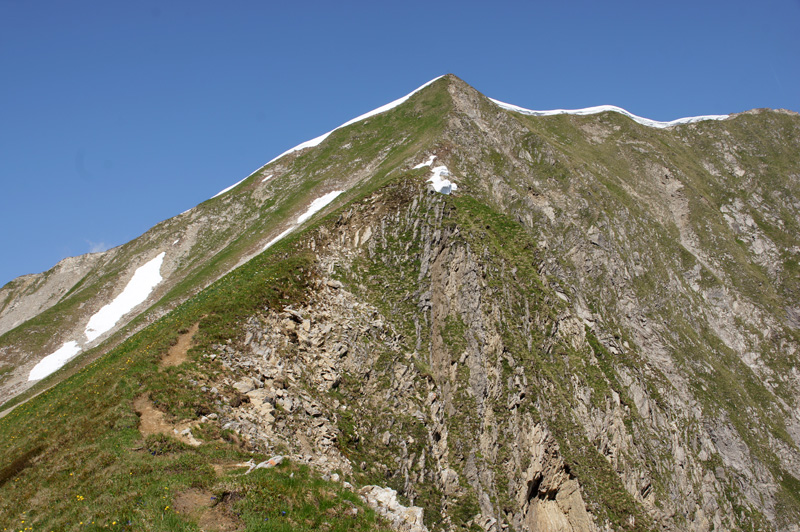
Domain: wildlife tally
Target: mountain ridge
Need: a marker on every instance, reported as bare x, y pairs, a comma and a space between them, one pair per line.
593, 331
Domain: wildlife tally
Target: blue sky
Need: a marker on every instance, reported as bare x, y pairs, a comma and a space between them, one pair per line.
117, 115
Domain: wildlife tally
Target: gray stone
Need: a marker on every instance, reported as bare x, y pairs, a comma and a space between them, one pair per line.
244, 385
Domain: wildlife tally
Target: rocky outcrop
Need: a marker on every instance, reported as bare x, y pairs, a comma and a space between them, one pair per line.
29, 295
384, 501
551, 500
488, 424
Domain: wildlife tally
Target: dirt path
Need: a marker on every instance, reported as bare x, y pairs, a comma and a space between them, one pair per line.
177, 354
152, 421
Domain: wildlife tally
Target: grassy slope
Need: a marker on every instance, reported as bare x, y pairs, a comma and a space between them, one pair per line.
407, 130
75, 453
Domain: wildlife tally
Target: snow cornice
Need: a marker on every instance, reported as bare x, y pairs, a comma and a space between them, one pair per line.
604, 108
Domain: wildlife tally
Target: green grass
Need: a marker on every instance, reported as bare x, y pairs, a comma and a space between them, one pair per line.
292, 498
75, 453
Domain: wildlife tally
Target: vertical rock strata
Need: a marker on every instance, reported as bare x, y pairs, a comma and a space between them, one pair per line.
435, 358
564, 344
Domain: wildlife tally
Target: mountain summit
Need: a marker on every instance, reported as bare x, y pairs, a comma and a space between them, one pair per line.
450, 313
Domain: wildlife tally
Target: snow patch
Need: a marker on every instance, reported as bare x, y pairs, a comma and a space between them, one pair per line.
316, 205
277, 238
144, 279
604, 108
439, 180
266, 178
176, 241
426, 163
54, 361
382, 109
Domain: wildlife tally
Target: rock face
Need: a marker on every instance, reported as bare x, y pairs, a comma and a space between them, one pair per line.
557, 346
30, 295
597, 330
552, 495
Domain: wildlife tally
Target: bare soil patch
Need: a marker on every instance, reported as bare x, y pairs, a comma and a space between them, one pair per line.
222, 469
153, 421
189, 501
177, 354
211, 513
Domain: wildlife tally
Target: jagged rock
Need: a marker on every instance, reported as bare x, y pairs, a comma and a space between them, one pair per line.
245, 385
293, 314
489, 524
260, 403
450, 481
312, 409
384, 502
266, 464
551, 498
286, 403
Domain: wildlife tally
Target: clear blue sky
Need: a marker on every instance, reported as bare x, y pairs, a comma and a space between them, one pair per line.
117, 115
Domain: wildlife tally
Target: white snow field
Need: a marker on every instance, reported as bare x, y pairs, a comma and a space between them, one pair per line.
144, 279
604, 108
316, 206
54, 361
382, 109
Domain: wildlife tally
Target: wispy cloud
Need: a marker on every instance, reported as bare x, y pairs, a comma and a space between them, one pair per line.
96, 247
